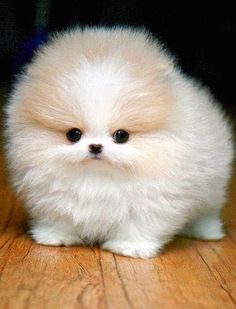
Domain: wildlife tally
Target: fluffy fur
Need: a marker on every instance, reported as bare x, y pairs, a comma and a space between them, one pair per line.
169, 178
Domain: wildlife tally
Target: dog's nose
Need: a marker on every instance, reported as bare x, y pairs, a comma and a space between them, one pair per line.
95, 148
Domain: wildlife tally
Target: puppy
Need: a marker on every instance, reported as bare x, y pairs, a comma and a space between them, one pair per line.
110, 143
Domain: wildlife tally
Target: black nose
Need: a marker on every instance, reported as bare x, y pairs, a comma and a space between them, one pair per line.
95, 148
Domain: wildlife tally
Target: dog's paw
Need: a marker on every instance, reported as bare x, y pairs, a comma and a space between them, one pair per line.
208, 227
135, 249
53, 236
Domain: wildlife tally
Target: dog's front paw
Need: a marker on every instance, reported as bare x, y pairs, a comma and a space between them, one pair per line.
53, 235
137, 249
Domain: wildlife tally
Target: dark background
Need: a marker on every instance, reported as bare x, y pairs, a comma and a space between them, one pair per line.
201, 35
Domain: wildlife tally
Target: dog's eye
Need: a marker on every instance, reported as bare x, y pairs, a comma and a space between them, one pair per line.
120, 136
74, 135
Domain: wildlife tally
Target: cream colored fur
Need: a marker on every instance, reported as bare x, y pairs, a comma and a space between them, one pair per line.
169, 178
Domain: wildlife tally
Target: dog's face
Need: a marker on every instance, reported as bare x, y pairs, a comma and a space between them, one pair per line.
105, 111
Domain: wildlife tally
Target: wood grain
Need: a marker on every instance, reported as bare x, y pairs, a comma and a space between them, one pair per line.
189, 274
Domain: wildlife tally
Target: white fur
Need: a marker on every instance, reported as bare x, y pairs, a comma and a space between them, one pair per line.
75, 200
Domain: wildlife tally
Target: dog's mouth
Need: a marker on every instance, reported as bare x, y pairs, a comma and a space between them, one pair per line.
96, 157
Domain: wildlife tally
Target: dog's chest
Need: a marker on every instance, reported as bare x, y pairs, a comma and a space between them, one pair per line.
97, 203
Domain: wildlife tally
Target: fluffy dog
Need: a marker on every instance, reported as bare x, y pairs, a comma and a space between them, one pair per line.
110, 143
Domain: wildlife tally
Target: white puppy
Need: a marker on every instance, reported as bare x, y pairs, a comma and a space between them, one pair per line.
109, 143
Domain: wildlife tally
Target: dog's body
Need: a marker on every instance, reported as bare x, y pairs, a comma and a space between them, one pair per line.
168, 178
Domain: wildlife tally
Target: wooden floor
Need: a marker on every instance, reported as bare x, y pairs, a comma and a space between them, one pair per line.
189, 274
